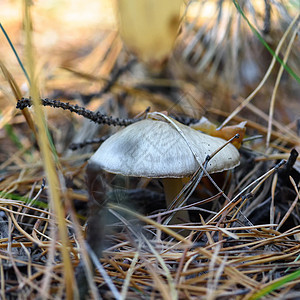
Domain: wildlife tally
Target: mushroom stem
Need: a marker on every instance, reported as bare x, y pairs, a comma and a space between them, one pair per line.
172, 187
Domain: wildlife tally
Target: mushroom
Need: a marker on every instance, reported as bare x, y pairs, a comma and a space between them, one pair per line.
160, 147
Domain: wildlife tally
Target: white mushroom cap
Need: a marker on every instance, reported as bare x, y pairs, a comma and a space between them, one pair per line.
156, 149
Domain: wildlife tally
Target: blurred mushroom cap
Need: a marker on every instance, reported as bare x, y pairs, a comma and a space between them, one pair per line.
155, 149
149, 28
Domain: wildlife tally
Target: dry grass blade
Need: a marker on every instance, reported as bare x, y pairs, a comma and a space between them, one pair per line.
129, 275
272, 103
49, 164
172, 293
18, 95
260, 180
236, 275
212, 282
292, 206
149, 221
272, 208
102, 271
252, 95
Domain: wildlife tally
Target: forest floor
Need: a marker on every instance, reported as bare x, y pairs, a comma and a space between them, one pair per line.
241, 237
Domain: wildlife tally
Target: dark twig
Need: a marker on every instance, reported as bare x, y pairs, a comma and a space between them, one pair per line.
267, 19
185, 120
96, 117
115, 76
75, 146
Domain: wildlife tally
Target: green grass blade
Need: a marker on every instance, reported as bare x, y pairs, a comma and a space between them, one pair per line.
11, 134
261, 39
275, 285
15, 52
